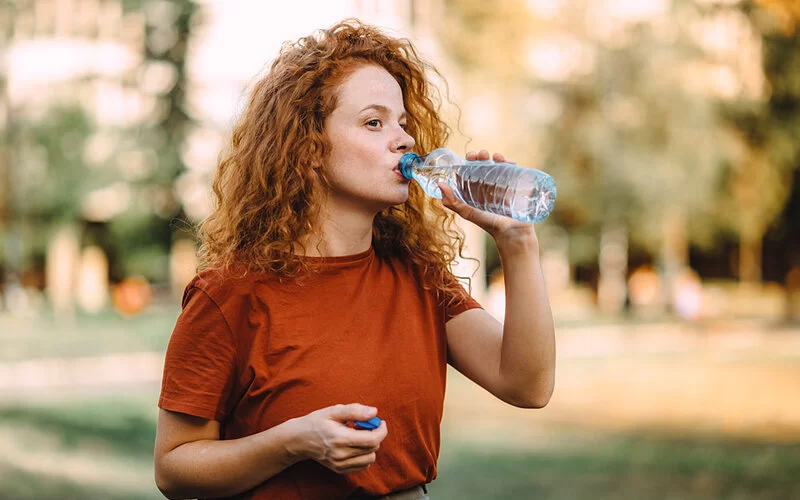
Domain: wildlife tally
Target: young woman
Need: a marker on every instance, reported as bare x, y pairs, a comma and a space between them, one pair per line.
326, 295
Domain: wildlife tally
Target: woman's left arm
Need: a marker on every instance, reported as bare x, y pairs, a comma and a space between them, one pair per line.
515, 361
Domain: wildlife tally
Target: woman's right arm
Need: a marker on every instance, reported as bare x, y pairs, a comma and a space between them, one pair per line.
191, 461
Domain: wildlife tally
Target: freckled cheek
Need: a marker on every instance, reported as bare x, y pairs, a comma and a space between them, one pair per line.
364, 157
357, 152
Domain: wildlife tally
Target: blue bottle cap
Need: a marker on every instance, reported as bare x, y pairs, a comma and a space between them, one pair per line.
407, 161
370, 424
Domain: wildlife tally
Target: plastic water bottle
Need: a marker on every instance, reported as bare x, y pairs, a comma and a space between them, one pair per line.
522, 193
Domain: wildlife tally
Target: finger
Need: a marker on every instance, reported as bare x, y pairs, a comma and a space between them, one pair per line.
499, 158
483, 155
353, 411
448, 197
485, 220
512, 162
471, 155
348, 452
354, 464
380, 433
363, 439
452, 202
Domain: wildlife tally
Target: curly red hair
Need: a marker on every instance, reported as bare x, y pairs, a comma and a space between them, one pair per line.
267, 190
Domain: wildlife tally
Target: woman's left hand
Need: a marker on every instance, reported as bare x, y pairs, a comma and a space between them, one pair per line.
499, 227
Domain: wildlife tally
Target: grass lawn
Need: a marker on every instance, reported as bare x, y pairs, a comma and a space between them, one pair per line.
85, 335
101, 447
95, 441
79, 448
622, 466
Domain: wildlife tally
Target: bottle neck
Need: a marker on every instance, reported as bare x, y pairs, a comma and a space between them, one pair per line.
407, 163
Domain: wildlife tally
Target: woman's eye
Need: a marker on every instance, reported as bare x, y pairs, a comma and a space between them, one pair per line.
374, 123
404, 126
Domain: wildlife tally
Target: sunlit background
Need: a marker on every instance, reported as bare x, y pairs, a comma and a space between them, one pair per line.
672, 258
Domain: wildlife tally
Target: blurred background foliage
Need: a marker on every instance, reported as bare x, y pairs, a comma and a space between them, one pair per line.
672, 256
67, 163
675, 126
673, 123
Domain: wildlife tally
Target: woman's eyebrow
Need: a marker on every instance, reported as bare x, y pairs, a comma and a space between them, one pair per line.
382, 109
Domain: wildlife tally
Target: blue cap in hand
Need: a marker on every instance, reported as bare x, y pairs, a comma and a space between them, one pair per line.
369, 425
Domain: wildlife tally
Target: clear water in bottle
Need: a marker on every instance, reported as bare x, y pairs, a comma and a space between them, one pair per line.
522, 193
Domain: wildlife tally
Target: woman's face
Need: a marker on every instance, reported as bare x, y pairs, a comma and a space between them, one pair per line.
367, 135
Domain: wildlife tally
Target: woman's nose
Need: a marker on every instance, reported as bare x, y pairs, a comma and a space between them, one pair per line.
404, 142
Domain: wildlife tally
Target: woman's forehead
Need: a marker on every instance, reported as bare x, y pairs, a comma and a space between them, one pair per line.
368, 85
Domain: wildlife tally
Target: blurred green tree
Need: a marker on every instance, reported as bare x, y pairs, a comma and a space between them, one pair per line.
768, 129
64, 166
635, 145
50, 180
486, 37
641, 144
142, 235
6, 34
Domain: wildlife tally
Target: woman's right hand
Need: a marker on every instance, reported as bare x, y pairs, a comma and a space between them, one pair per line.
326, 438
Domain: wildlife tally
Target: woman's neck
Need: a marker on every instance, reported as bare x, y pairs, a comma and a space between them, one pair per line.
340, 235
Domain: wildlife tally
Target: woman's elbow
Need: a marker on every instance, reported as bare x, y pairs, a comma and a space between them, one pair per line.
534, 402
166, 485
165, 488
171, 493
532, 397
528, 402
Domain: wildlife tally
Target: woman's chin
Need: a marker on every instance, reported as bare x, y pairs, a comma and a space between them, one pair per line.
393, 202
398, 196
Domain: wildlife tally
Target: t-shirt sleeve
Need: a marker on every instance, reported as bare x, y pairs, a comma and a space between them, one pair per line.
458, 302
200, 363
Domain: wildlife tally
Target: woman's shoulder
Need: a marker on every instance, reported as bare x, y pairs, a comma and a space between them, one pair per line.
213, 278
425, 274
221, 285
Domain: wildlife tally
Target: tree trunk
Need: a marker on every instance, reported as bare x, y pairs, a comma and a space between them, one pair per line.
674, 252
613, 263
749, 259
792, 288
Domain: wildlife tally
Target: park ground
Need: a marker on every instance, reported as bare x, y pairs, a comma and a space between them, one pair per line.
657, 410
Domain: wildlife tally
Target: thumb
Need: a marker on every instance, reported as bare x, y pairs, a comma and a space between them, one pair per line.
454, 203
449, 198
354, 411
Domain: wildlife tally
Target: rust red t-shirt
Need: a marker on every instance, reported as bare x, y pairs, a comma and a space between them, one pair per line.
252, 353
